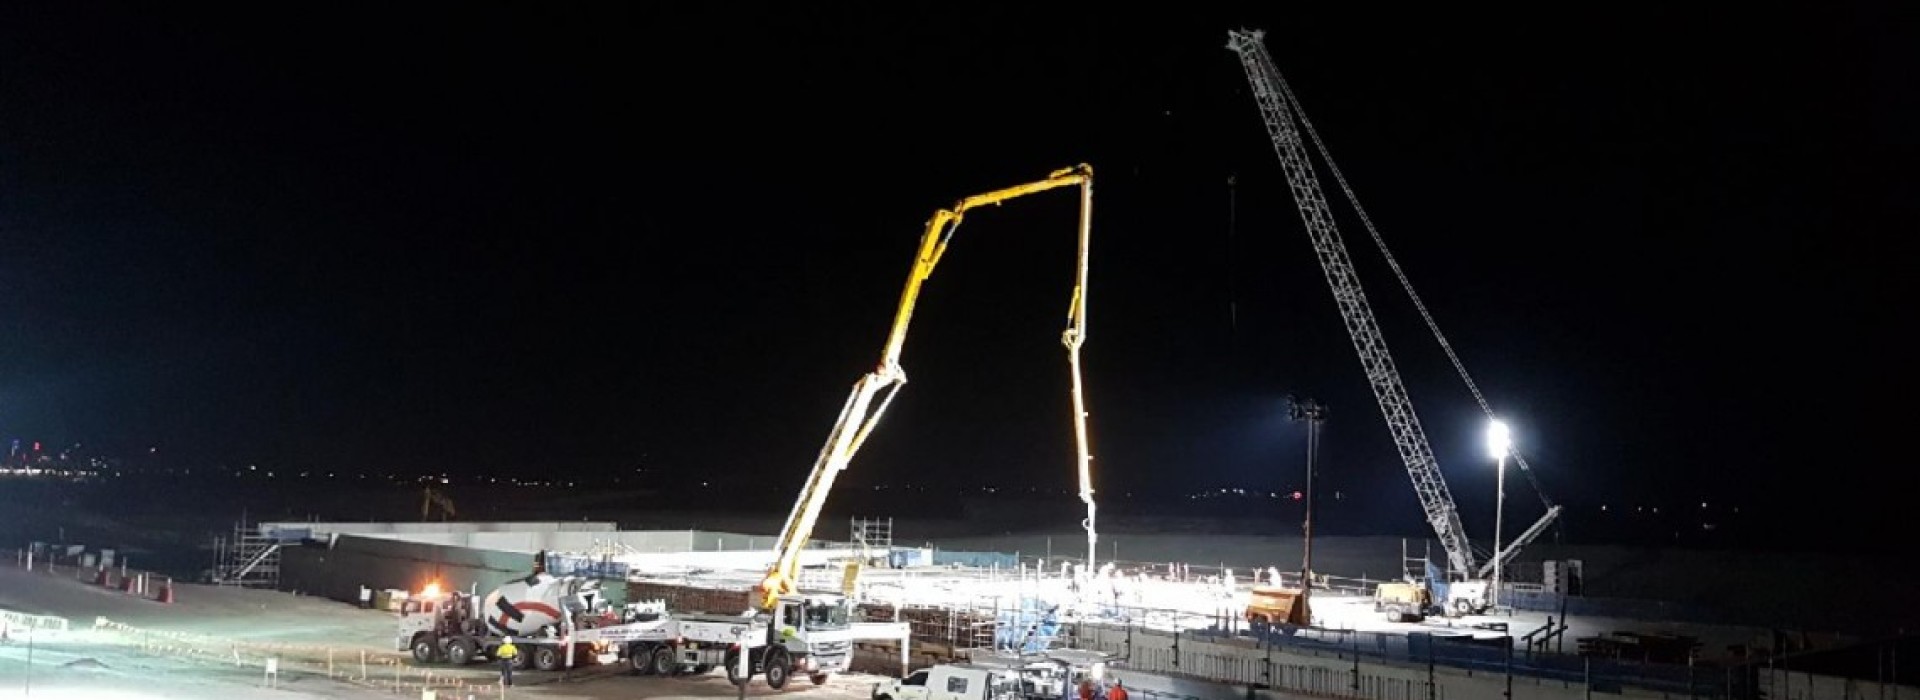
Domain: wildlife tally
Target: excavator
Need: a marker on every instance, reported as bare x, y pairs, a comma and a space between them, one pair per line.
875, 390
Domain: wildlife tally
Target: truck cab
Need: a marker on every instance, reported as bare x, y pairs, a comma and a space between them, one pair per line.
816, 631
814, 616
433, 616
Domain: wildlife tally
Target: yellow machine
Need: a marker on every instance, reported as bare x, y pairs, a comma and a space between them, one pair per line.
430, 498
1403, 602
1272, 606
860, 413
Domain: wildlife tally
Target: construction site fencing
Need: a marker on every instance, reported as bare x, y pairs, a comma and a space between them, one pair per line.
371, 669
1277, 660
1534, 597
1196, 573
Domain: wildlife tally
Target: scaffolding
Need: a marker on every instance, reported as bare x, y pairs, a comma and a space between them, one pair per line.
1028, 625
248, 559
873, 536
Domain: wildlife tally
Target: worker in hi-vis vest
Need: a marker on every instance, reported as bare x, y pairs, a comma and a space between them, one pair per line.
506, 654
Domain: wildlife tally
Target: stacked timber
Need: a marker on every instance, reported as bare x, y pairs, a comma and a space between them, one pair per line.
944, 633
689, 598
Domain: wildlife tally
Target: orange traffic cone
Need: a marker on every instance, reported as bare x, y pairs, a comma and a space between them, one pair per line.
166, 593
126, 584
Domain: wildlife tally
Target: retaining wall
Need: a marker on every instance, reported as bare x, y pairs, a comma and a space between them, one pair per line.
530, 537
338, 571
322, 529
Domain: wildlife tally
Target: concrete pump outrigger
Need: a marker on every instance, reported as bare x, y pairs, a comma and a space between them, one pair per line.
860, 413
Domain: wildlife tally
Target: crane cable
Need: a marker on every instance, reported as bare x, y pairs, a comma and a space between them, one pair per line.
1405, 283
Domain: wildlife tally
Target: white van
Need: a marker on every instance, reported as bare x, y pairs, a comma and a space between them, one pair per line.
963, 682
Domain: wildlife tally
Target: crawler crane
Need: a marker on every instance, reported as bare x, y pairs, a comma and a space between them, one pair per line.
874, 391
1285, 122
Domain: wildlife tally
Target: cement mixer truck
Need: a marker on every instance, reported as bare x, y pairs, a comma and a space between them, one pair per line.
562, 621
556, 621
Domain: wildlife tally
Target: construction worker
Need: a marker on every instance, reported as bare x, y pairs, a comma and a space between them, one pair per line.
506, 654
1119, 691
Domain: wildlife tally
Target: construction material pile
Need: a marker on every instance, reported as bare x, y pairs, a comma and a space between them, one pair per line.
689, 598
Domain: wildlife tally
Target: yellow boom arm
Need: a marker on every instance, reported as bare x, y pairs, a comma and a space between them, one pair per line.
860, 413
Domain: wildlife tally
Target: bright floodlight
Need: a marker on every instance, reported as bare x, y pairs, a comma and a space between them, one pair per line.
1499, 440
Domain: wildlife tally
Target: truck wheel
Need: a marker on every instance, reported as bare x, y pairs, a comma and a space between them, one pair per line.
733, 668
460, 651
819, 678
640, 658
663, 662
545, 658
1462, 607
519, 662
426, 648
778, 665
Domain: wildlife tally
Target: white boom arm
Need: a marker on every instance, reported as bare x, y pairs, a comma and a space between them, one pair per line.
1276, 109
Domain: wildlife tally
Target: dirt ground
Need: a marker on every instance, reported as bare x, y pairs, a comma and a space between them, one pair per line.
213, 642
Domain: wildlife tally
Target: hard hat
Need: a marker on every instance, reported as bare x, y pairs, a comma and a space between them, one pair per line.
509, 640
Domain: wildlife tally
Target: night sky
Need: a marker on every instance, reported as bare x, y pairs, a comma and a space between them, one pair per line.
1673, 247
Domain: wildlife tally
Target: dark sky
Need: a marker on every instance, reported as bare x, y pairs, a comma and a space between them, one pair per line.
1673, 246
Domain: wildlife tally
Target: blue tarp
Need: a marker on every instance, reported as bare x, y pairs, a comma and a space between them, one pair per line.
903, 558
1437, 584
1029, 628
560, 565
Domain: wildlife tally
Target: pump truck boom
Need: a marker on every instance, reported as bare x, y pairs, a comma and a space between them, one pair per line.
861, 413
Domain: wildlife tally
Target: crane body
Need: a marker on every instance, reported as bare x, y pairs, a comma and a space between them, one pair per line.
1331, 249
873, 392
1278, 107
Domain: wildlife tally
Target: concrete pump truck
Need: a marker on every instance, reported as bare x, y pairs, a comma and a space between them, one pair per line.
806, 632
